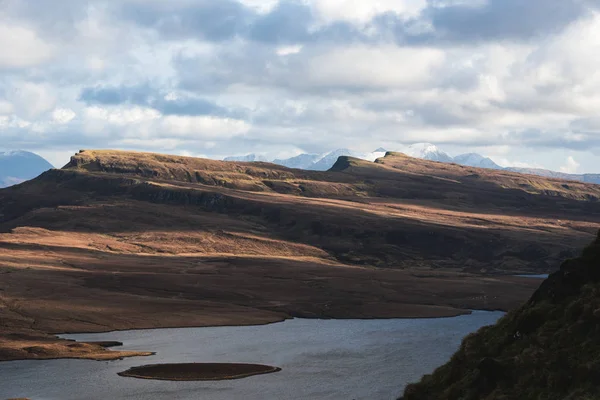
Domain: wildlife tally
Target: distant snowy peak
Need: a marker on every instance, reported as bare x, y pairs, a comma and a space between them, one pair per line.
14, 153
22, 154
427, 151
301, 161
588, 178
17, 166
328, 159
323, 162
339, 153
380, 152
247, 158
476, 160
469, 158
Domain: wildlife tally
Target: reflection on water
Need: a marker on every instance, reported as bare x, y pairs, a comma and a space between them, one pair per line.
321, 359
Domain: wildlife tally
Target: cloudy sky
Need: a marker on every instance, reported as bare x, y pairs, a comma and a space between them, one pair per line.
517, 80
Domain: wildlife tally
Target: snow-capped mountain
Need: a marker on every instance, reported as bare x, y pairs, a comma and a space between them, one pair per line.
323, 162
19, 166
302, 161
588, 178
380, 152
330, 158
476, 160
247, 158
426, 151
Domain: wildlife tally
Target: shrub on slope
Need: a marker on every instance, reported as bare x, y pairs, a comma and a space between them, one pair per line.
549, 349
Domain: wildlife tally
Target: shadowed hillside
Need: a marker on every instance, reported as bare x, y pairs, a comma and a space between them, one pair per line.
121, 240
547, 349
398, 212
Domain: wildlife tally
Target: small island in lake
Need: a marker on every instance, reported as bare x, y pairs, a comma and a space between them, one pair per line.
198, 371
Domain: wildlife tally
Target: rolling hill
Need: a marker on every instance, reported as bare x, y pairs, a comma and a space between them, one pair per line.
424, 151
122, 240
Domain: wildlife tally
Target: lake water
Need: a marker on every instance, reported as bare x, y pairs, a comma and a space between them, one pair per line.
540, 276
321, 359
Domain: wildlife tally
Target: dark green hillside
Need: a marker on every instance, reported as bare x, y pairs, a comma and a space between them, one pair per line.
547, 349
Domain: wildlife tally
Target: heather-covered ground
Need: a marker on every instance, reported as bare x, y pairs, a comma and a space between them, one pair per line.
121, 240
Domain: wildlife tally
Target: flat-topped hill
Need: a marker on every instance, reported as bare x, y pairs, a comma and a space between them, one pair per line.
499, 185
121, 240
395, 170
397, 212
178, 168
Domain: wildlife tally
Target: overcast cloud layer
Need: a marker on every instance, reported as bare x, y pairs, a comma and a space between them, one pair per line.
517, 80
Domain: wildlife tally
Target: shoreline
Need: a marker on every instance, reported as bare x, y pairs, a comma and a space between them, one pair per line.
114, 355
100, 296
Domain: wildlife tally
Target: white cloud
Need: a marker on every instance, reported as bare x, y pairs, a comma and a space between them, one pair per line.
5, 107
360, 11
571, 166
503, 162
63, 115
121, 116
288, 50
354, 83
139, 124
262, 6
382, 67
202, 127
32, 99
21, 46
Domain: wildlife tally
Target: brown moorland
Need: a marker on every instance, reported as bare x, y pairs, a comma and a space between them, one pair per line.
123, 240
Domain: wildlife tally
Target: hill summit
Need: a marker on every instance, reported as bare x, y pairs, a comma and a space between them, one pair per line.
130, 240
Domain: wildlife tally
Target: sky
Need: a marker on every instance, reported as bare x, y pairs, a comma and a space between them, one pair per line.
516, 80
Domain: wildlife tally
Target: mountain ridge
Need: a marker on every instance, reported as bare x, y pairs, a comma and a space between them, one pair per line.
426, 151
131, 240
588, 178
17, 166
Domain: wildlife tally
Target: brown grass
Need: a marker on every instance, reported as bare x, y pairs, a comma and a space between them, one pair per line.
136, 240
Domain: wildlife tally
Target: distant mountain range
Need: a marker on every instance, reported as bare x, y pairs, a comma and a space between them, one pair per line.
19, 166
323, 162
313, 162
247, 158
590, 178
426, 151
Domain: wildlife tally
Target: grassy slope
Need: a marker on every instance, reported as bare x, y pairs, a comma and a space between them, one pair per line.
134, 240
399, 212
548, 349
